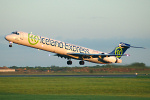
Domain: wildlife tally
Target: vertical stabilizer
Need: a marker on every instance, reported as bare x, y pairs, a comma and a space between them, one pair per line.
121, 49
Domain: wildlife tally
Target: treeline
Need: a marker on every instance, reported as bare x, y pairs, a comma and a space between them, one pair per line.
56, 68
133, 65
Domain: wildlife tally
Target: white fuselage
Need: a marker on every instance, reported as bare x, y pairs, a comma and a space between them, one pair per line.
55, 46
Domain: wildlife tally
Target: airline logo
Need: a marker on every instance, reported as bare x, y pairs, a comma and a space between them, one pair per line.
118, 51
33, 39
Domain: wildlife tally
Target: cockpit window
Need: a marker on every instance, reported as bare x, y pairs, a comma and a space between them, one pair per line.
15, 33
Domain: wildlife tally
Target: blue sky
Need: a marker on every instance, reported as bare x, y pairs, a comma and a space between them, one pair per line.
96, 24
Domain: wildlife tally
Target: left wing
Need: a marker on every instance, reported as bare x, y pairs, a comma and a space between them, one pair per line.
83, 55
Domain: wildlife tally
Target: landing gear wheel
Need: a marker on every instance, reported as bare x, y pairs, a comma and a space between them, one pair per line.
69, 62
81, 62
10, 45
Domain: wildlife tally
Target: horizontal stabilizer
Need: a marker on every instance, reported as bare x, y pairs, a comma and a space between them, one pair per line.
128, 45
137, 47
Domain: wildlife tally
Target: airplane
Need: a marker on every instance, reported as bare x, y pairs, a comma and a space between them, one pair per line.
67, 50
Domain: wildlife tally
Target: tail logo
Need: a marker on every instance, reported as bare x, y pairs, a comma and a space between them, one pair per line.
33, 39
118, 51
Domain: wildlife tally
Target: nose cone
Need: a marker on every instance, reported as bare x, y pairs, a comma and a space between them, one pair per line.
8, 37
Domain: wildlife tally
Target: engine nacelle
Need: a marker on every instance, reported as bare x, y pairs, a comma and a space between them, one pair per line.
110, 60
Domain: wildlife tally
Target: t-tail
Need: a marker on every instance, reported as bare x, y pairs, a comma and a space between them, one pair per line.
120, 50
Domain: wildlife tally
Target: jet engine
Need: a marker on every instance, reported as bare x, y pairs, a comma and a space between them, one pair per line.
110, 60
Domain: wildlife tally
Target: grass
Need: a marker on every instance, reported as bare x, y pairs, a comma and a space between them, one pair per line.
68, 97
73, 88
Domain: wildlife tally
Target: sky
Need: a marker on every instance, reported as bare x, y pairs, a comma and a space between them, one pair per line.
96, 24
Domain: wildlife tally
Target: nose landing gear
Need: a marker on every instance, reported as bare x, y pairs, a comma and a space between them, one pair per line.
10, 44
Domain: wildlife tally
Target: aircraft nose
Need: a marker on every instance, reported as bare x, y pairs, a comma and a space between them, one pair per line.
7, 37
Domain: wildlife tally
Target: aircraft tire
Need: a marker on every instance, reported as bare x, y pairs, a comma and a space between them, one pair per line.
69, 62
10, 45
81, 62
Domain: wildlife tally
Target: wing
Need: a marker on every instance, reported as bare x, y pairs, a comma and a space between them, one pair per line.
83, 55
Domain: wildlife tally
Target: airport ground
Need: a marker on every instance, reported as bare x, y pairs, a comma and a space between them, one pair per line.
75, 88
77, 83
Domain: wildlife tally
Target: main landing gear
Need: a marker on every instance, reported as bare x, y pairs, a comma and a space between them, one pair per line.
81, 62
69, 62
